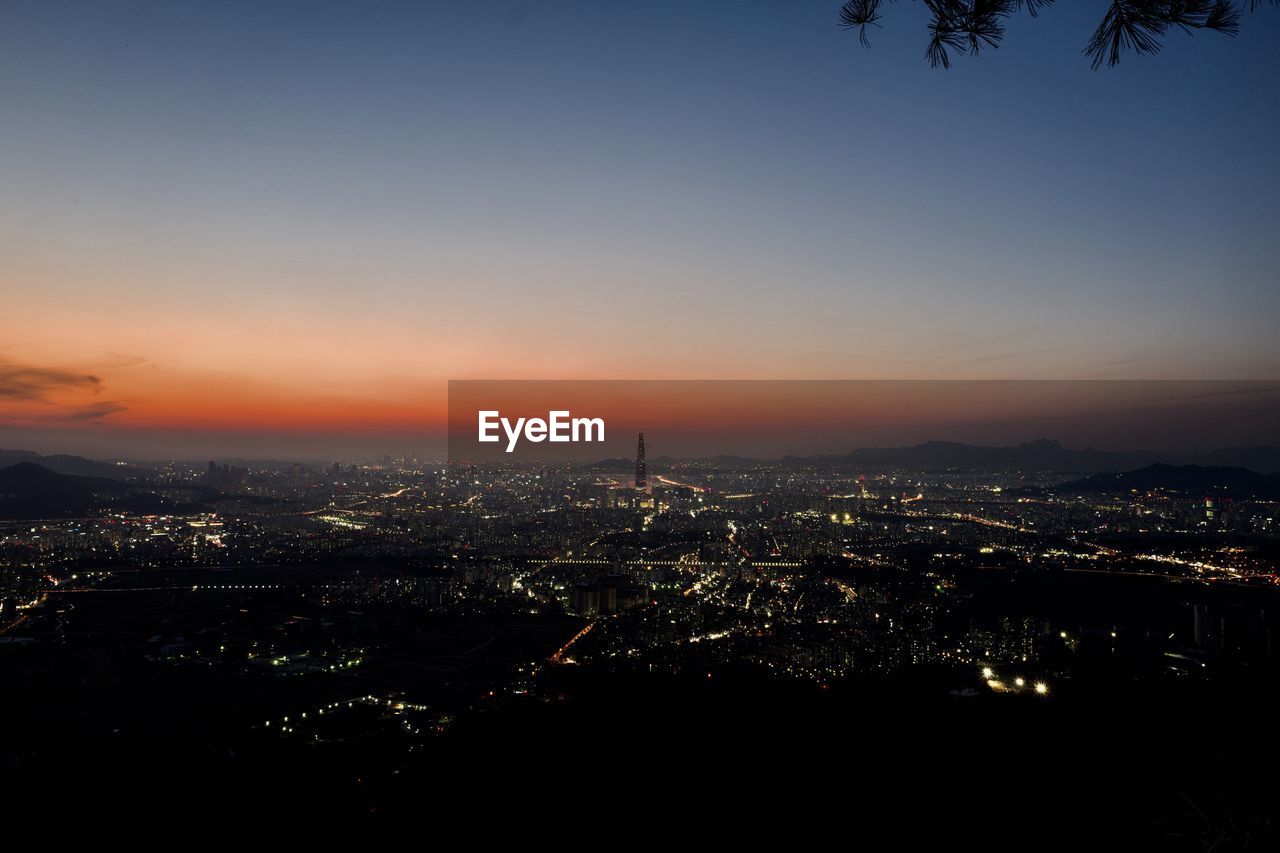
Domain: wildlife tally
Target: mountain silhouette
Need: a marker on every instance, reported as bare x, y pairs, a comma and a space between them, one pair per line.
1193, 480
1043, 455
62, 463
28, 490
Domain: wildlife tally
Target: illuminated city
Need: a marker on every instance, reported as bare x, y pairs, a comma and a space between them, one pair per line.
410, 603
845, 423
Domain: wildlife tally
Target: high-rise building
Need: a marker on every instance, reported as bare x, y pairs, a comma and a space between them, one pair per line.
642, 472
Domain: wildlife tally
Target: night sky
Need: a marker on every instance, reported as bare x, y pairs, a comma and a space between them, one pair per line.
249, 228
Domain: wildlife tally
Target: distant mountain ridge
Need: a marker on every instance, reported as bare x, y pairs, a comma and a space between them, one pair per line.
1194, 480
79, 466
1043, 455
29, 490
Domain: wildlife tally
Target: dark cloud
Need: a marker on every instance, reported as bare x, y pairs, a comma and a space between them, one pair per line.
93, 412
31, 383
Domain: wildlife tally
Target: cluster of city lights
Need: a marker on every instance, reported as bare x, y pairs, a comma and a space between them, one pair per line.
1018, 684
391, 702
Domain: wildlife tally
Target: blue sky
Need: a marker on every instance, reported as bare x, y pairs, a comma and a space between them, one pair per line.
359, 201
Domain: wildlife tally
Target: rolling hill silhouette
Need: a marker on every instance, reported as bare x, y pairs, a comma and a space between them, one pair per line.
1045, 455
28, 490
1194, 480
63, 463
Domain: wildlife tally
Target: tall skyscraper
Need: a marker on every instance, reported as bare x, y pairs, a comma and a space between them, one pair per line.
642, 472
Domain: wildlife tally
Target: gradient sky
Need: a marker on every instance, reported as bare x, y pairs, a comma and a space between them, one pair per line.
265, 228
